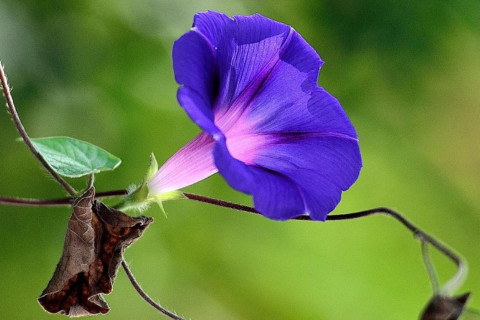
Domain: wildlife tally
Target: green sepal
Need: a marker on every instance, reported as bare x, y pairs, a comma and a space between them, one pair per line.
160, 198
139, 198
152, 169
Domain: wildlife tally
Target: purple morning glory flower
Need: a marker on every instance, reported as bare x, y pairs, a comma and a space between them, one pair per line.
250, 83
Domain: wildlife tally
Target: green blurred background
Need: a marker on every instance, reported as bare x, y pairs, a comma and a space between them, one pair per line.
407, 74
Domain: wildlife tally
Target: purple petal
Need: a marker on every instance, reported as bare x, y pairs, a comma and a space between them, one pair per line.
319, 195
235, 172
321, 165
274, 195
212, 24
194, 64
329, 115
197, 109
336, 159
251, 83
290, 101
314, 168
299, 54
247, 50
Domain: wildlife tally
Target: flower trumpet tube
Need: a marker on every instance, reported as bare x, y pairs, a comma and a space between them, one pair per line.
250, 84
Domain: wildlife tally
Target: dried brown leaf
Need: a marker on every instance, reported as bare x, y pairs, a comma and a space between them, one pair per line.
445, 308
93, 251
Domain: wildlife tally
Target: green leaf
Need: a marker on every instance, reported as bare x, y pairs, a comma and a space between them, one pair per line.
74, 158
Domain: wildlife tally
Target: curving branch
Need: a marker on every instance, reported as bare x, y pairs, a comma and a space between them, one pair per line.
145, 296
24, 135
425, 238
450, 286
27, 202
66, 201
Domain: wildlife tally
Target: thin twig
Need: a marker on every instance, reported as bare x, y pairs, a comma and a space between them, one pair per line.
220, 203
111, 194
145, 296
66, 201
450, 286
26, 202
24, 135
429, 266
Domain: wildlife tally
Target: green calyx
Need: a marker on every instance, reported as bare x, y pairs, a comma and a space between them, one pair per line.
140, 198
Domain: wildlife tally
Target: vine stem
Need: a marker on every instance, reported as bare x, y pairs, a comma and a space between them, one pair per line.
451, 285
68, 188
21, 130
27, 202
66, 201
430, 269
145, 296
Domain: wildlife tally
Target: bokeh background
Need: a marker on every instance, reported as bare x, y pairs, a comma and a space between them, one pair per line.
407, 74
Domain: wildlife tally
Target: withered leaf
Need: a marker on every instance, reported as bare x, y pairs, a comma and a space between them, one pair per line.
445, 308
93, 250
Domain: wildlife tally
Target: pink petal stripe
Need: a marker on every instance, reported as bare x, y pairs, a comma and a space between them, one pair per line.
192, 163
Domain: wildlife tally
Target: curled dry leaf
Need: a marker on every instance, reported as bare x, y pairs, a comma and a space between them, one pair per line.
93, 251
445, 308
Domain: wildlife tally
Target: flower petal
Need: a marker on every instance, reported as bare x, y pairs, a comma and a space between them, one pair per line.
329, 115
290, 101
313, 168
235, 172
251, 84
212, 24
190, 164
335, 158
197, 109
320, 195
247, 50
322, 166
301, 133
274, 195
194, 64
